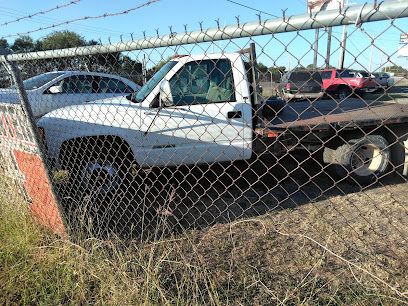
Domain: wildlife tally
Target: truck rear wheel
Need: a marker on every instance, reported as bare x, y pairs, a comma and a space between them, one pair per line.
363, 160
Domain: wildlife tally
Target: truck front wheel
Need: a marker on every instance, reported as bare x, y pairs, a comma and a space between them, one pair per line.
362, 160
100, 175
101, 186
96, 167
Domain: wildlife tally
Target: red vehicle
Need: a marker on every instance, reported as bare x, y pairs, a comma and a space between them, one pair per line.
344, 82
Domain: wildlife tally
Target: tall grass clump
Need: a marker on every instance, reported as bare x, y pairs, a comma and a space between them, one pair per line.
247, 262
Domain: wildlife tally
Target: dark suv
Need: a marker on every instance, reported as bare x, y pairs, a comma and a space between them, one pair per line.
301, 84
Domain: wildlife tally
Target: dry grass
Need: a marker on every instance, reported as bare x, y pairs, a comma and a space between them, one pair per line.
347, 250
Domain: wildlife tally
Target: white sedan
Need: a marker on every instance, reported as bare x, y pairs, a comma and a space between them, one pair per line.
53, 90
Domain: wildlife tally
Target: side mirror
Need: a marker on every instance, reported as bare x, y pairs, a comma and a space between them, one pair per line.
166, 97
55, 89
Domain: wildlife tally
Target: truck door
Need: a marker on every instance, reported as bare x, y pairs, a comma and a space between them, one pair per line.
205, 122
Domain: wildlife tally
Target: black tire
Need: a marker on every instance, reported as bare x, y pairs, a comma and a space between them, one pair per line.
363, 160
98, 173
98, 191
343, 92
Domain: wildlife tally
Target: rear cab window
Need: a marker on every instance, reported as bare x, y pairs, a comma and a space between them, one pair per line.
111, 85
342, 74
326, 75
306, 76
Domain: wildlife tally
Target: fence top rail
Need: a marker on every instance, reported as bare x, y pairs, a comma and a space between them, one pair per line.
349, 15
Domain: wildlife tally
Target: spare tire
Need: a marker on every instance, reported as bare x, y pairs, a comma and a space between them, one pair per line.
363, 160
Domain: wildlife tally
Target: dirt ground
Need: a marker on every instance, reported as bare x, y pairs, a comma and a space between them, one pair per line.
355, 242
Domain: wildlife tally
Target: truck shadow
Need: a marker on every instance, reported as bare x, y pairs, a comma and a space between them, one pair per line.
169, 201
265, 186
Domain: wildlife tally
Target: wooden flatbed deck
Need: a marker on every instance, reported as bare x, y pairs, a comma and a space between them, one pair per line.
328, 115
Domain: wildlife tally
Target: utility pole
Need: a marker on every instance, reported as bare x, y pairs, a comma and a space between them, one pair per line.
328, 52
316, 48
343, 43
371, 59
343, 47
144, 69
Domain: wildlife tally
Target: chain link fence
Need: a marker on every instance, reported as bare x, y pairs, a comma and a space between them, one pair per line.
229, 133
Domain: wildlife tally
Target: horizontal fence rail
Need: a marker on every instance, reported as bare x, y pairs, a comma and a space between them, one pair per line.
352, 15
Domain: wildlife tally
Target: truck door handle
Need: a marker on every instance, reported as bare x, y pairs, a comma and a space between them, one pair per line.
234, 115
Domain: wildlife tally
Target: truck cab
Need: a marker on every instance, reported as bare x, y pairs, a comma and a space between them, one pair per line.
195, 109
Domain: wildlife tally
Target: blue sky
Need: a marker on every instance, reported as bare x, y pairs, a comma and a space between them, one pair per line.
177, 13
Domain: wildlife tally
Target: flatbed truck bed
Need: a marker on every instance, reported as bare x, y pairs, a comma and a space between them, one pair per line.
329, 115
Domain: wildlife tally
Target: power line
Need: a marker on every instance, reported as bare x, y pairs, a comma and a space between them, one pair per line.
42, 20
41, 12
254, 9
84, 18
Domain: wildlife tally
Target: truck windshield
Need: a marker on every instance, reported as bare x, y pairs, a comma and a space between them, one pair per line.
40, 80
152, 83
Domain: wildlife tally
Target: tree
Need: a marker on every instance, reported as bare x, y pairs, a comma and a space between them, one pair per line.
311, 67
299, 68
23, 44
3, 43
113, 62
262, 68
131, 69
395, 69
61, 40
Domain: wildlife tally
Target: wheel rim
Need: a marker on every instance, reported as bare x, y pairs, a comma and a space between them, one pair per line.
366, 160
100, 177
343, 94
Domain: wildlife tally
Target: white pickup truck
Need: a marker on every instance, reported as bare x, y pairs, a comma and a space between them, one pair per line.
201, 109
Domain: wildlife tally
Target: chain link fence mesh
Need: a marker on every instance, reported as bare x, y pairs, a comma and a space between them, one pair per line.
192, 132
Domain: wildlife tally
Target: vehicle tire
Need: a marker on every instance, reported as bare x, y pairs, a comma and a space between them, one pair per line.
363, 160
343, 92
381, 89
99, 173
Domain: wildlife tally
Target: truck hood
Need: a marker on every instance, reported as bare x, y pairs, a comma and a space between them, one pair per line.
94, 112
104, 117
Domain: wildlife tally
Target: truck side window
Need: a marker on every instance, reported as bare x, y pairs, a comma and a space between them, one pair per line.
207, 81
